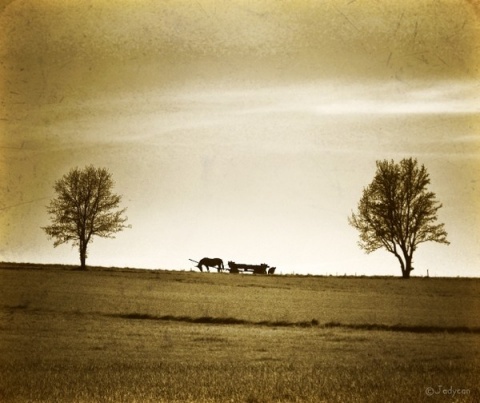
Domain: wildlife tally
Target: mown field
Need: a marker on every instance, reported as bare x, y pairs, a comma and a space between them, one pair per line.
110, 335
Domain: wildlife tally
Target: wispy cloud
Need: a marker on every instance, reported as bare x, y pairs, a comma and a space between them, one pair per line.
337, 98
374, 98
410, 102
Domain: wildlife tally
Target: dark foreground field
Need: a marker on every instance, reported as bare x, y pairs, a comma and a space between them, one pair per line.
124, 335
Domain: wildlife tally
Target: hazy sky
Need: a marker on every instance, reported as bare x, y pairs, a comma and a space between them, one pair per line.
244, 130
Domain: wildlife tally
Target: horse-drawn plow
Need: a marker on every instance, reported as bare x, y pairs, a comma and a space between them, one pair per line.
233, 268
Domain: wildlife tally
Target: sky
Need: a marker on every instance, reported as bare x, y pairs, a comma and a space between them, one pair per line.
244, 130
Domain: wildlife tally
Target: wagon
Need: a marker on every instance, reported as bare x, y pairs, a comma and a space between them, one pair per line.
252, 268
233, 267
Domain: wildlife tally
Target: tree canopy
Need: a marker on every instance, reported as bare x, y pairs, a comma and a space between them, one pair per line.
397, 212
84, 206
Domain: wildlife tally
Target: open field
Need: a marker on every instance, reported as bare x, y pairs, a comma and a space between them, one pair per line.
125, 335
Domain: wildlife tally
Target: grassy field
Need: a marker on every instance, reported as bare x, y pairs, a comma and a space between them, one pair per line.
133, 335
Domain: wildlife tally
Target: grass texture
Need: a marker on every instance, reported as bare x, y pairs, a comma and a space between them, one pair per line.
110, 335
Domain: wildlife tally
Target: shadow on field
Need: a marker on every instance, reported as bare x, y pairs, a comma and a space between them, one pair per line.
312, 323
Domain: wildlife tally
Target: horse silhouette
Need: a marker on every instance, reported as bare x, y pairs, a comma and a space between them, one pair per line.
207, 262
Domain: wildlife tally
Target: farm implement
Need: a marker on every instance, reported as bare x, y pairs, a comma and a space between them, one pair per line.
234, 268
252, 268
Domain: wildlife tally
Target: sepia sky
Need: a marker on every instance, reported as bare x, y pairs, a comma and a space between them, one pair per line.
244, 130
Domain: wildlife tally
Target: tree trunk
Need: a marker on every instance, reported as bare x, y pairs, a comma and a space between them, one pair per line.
83, 256
405, 264
407, 268
405, 274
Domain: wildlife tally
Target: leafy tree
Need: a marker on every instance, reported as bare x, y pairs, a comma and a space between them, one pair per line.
396, 212
84, 206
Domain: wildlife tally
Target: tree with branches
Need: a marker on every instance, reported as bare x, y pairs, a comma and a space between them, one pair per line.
398, 213
84, 207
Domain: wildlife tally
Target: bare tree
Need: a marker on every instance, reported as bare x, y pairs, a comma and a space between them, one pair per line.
396, 212
84, 206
